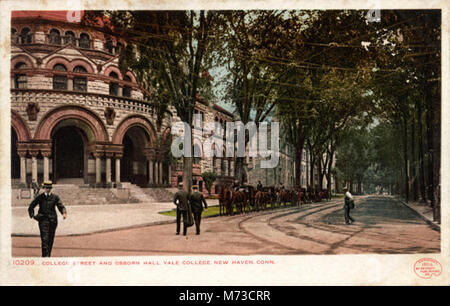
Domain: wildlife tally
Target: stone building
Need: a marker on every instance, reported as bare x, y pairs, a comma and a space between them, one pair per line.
77, 118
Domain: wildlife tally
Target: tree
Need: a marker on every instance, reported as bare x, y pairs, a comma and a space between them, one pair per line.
168, 53
209, 178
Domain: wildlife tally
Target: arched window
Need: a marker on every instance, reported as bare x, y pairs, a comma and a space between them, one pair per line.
20, 80
79, 82
197, 150
109, 46
113, 86
14, 36
25, 36
55, 37
60, 81
69, 38
126, 89
85, 41
20, 65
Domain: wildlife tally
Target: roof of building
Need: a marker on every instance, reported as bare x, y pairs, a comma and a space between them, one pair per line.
222, 110
65, 16
75, 17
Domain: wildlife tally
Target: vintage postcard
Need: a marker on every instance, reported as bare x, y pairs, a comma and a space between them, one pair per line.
248, 143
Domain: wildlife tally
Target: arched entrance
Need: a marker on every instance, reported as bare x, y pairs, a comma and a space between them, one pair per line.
69, 144
134, 167
15, 159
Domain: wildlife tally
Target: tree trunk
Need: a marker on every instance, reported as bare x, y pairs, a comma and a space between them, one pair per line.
311, 169
413, 164
422, 185
430, 144
298, 164
405, 158
187, 173
330, 163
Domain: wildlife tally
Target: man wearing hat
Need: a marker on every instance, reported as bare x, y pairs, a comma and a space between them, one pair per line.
47, 218
347, 206
180, 199
196, 200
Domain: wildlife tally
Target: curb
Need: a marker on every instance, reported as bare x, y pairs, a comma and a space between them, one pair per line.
431, 223
154, 223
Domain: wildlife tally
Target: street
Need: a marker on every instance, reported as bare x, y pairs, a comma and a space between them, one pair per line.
383, 226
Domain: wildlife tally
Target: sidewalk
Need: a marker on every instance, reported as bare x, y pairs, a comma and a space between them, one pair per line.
88, 219
424, 211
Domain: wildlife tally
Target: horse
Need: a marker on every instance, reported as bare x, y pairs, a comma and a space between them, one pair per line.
225, 201
261, 198
294, 196
321, 195
249, 193
302, 196
238, 200
273, 197
282, 197
327, 194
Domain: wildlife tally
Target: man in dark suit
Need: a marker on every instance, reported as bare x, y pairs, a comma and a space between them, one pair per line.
47, 218
196, 200
180, 199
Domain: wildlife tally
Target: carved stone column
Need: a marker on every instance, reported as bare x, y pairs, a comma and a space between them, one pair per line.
23, 167
118, 158
46, 156
160, 171
98, 168
150, 172
34, 170
108, 167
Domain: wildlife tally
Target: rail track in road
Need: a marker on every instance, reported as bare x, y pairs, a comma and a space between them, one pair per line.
384, 226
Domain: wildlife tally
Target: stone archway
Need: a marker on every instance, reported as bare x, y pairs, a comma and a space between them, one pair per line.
15, 158
71, 132
90, 123
69, 154
134, 160
139, 163
20, 142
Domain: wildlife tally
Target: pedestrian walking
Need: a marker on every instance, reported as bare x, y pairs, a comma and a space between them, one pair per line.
35, 187
197, 202
47, 218
348, 205
180, 199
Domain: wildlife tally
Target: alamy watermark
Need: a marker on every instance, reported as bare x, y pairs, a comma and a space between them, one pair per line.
211, 139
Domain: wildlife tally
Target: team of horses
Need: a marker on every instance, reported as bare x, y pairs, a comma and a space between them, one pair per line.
247, 198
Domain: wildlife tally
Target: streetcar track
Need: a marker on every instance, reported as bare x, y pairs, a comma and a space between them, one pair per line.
313, 210
292, 210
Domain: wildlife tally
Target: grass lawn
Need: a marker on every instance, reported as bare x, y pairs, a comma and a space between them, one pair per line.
212, 211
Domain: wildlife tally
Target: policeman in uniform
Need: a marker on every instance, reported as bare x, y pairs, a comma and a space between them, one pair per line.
196, 200
47, 218
180, 199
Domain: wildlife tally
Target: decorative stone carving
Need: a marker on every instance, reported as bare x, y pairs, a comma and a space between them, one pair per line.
110, 114
32, 110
